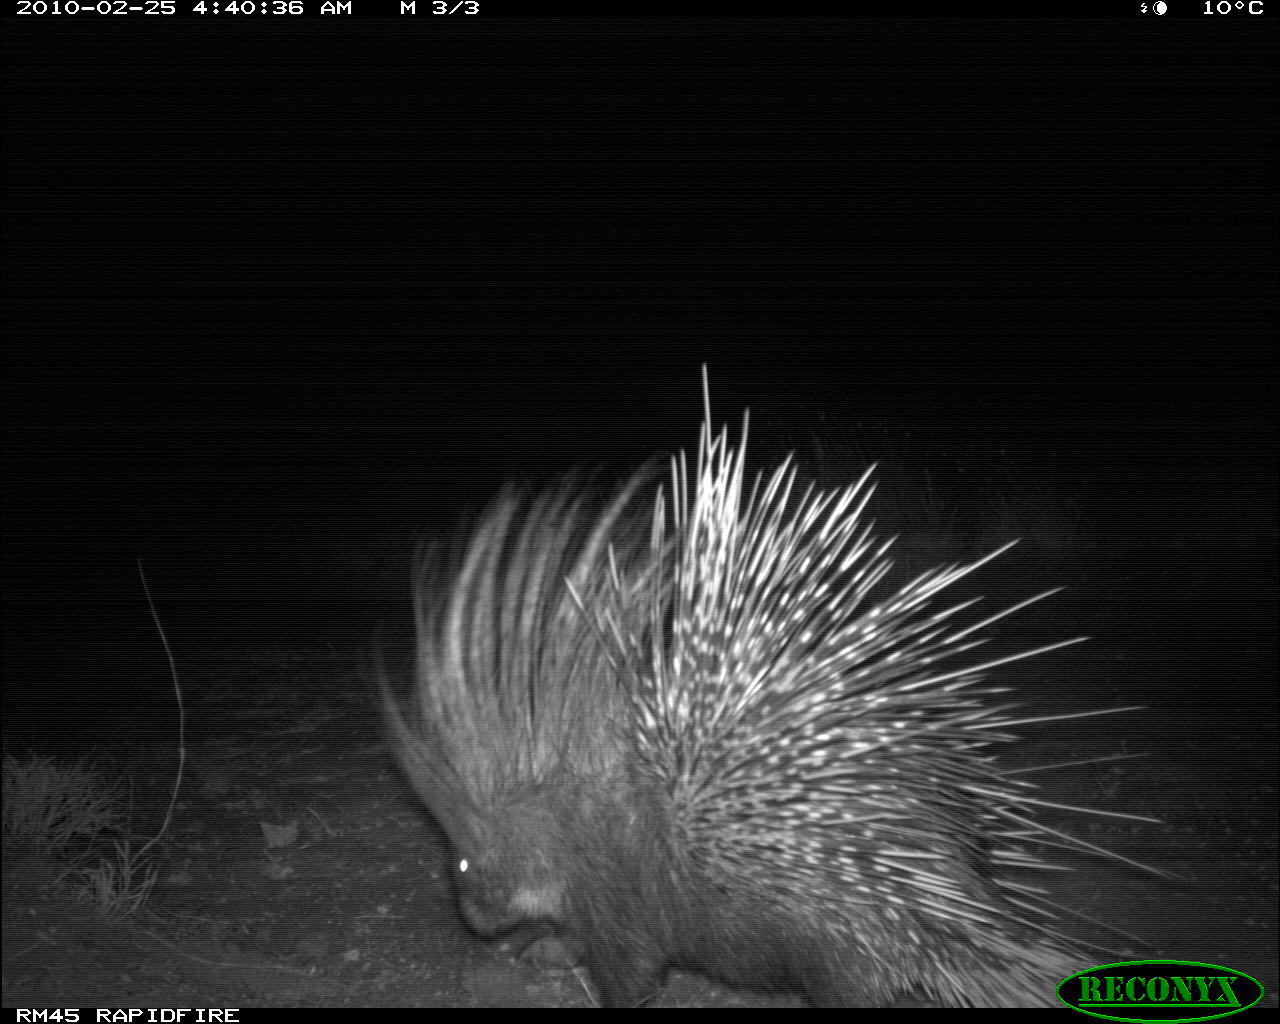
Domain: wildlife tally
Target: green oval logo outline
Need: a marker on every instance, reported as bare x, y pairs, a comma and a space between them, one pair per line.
1169, 1017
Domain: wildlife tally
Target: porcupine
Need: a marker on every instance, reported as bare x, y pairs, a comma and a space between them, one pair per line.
721, 751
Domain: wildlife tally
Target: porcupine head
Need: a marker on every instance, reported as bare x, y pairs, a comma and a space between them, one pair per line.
514, 736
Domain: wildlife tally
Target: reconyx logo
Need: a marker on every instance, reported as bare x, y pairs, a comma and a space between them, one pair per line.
1159, 990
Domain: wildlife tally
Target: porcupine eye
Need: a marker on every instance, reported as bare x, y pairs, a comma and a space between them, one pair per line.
466, 873
467, 879
471, 881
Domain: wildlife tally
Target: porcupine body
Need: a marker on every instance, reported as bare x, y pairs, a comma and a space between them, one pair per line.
725, 750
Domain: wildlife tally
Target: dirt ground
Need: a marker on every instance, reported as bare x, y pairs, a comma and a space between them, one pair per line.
298, 871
